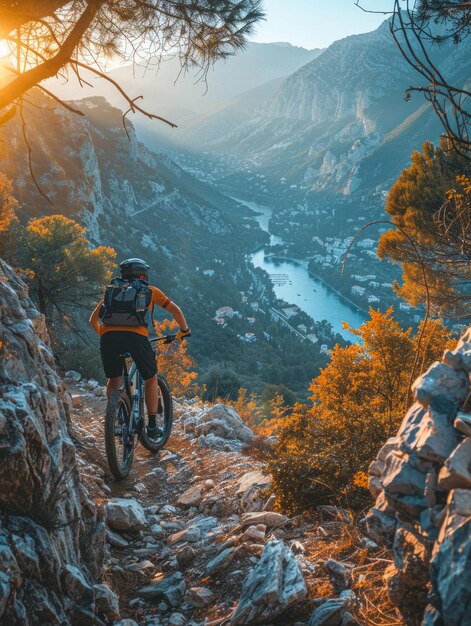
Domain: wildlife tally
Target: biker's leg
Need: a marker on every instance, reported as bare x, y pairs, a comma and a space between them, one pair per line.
112, 385
151, 392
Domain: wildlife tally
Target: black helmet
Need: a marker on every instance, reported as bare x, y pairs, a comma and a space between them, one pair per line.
133, 268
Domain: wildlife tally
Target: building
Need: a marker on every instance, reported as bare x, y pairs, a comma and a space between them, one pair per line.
372, 299
289, 311
225, 311
312, 338
251, 320
249, 338
358, 291
209, 273
302, 328
254, 306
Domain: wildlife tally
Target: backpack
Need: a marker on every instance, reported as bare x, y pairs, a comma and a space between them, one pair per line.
126, 303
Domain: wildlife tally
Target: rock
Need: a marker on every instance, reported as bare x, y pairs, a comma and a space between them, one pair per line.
330, 613
275, 584
185, 555
100, 392
463, 423
191, 497
73, 375
125, 514
253, 535
171, 590
106, 602
456, 472
340, 575
441, 382
267, 518
126, 622
177, 619
199, 597
51, 532
431, 542
157, 531
191, 534
223, 421
77, 401
115, 540
221, 561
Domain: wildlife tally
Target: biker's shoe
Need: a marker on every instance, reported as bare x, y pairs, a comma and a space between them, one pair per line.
154, 433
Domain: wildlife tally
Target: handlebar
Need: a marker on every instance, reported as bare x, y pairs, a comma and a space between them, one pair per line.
164, 338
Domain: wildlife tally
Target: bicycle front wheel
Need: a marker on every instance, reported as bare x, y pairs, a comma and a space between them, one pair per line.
164, 420
118, 442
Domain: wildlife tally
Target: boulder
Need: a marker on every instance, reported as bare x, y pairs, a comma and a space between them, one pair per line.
275, 584
441, 382
199, 597
51, 533
456, 473
330, 613
171, 590
223, 421
191, 534
106, 602
125, 514
191, 497
340, 575
73, 375
221, 561
267, 518
462, 423
249, 490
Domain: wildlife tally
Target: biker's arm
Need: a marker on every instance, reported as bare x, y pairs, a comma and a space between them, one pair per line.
177, 315
94, 320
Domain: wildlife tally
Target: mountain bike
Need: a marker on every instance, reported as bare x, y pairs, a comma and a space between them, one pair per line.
126, 416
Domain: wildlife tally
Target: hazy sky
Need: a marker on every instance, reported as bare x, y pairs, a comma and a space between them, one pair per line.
316, 23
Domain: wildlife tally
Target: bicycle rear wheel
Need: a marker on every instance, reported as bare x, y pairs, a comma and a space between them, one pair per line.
118, 444
164, 420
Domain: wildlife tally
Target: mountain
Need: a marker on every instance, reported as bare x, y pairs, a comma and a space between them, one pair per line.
179, 96
330, 121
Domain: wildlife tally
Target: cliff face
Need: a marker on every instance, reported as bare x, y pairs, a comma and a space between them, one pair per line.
340, 122
422, 481
51, 533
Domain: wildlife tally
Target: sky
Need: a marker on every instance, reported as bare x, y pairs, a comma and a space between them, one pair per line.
316, 23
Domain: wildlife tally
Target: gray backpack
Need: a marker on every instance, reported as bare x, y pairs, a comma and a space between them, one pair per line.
126, 303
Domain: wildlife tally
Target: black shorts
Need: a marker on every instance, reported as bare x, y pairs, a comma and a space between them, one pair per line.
116, 342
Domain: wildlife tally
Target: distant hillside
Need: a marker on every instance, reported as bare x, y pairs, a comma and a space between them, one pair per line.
180, 96
329, 119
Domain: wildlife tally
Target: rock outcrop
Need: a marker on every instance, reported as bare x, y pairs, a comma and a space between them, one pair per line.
422, 482
51, 532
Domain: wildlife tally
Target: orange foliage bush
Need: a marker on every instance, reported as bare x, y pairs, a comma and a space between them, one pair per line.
175, 362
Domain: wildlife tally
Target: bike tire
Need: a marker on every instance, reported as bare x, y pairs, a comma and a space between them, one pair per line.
166, 397
117, 401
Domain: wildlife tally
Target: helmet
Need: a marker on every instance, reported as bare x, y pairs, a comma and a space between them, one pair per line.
133, 268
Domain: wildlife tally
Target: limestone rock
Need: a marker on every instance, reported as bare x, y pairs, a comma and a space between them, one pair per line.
191, 497
456, 473
275, 584
51, 533
340, 575
125, 514
441, 381
223, 421
221, 561
199, 596
463, 423
191, 534
171, 590
106, 602
330, 613
267, 518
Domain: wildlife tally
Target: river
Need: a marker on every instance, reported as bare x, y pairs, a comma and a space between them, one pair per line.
293, 283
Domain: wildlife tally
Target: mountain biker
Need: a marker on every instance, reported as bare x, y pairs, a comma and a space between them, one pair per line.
118, 339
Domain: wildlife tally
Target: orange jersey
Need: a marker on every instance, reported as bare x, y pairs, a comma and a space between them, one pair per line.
158, 297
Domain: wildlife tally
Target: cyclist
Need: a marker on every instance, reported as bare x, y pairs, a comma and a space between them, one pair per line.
116, 340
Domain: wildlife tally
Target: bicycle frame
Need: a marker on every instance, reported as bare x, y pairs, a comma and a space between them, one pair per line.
133, 385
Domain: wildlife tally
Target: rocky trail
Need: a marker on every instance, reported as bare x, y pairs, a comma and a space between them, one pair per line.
192, 538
